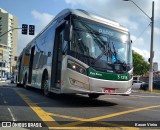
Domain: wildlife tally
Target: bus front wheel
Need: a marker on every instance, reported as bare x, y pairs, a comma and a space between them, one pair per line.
25, 82
45, 88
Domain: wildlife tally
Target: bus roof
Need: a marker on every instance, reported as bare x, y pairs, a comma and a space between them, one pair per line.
84, 14
90, 16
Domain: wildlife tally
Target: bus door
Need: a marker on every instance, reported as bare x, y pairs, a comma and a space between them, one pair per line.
20, 70
31, 65
57, 58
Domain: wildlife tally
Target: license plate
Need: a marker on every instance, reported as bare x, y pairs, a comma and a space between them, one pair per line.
109, 90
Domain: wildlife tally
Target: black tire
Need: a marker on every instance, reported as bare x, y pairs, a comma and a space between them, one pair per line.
18, 85
145, 89
125, 94
12, 82
45, 87
93, 96
25, 82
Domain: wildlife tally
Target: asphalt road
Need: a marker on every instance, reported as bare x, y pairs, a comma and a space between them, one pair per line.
78, 111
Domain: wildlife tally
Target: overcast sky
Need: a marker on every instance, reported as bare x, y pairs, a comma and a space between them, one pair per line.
41, 12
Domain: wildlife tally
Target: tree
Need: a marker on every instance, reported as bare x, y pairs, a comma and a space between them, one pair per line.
141, 67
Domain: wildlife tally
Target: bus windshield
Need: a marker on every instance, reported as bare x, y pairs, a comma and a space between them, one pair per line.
100, 42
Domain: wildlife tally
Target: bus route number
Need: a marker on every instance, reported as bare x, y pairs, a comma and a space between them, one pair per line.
122, 77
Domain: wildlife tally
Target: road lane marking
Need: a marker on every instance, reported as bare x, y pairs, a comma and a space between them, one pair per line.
153, 110
13, 119
122, 113
112, 115
40, 112
67, 117
105, 99
44, 116
5, 102
83, 121
126, 106
10, 112
143, 96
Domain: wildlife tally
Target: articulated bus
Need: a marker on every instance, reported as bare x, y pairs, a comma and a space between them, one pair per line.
79, 53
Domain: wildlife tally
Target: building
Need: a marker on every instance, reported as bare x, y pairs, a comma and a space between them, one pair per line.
8, 41
155, 66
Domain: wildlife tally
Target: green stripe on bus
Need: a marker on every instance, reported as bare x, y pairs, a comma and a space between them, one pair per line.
107, 75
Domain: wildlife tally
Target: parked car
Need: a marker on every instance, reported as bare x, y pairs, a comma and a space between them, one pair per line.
156, 85
144, 86
136, 84
3, 78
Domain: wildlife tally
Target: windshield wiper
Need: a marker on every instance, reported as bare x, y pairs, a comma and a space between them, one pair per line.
106, 52
109, 52
116, 56
115, 52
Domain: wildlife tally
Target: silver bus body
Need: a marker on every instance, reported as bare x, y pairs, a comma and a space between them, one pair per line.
47, 61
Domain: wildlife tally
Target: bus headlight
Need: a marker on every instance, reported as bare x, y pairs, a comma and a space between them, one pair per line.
76, 67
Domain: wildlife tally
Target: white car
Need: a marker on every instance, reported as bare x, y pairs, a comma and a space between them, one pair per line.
136, 84
3, 78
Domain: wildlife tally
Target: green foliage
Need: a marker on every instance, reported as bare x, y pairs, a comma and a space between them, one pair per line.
141, 67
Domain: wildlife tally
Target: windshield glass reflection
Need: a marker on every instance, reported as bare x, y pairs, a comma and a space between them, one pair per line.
105, 48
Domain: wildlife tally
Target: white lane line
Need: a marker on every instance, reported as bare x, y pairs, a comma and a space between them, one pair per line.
5, 102
11, 114
143, 96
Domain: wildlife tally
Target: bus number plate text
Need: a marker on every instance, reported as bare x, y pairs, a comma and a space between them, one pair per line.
109, 90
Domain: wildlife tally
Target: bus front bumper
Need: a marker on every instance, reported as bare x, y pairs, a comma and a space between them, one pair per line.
110, 86
100, 86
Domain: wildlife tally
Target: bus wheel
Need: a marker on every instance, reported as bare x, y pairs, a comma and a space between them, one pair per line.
17, 84
25, 82
45, 88
93, 95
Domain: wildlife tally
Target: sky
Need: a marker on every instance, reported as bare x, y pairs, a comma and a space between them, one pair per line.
41, 12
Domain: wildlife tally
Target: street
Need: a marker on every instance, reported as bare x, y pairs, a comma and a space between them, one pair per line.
78, 111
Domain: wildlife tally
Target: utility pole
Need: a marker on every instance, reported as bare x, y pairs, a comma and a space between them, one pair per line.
151, 51
151, 46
